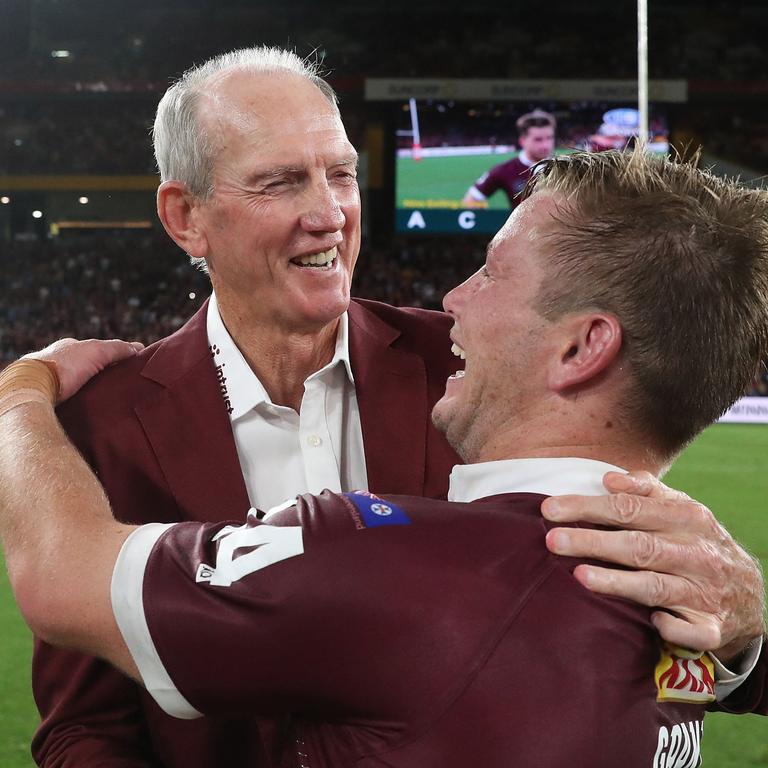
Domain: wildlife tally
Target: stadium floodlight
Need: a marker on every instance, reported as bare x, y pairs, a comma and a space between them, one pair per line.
5, 199
37, 214
61, 54
83, 200
642, 68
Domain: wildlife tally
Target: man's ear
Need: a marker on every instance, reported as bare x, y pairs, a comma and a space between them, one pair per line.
590, 344
178, 211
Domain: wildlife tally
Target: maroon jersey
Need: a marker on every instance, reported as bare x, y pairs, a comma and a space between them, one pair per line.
406, 633
511, 176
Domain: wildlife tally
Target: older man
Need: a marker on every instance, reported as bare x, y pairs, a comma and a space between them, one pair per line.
478, 636
282, 386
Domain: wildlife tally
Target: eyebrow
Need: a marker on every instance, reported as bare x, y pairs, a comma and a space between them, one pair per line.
283, 170
351, 159
271, 173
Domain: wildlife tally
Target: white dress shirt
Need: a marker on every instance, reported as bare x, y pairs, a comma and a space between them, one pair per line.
553, 477
283, 453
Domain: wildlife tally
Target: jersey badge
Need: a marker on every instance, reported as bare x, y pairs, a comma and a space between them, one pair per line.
375, 511
683, 675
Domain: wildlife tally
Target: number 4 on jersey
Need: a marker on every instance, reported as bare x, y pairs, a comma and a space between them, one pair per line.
258, 547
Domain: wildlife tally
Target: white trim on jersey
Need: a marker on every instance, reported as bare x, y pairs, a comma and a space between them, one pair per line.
128, 606
550, 477
476, 194
525, 160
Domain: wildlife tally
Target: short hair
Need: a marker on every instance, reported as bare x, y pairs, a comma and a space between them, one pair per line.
680, 257
182, 150
536, 119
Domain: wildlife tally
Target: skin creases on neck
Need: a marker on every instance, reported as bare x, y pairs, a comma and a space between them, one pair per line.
282, 360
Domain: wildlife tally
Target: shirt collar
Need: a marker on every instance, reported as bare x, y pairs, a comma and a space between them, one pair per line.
240, 386
524, 159
341, 352
550, 477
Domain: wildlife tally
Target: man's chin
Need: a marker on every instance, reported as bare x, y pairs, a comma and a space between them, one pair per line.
319, 311
445, 421
440, 417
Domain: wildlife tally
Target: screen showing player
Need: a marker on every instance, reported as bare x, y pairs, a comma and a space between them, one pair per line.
460, 167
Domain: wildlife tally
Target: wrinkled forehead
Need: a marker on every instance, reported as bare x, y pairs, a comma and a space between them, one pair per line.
262, 106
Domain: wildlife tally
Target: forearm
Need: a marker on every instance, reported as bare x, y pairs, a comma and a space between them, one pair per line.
58, 533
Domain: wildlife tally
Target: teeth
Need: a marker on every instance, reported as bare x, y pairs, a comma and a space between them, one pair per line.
318, 259
458, 351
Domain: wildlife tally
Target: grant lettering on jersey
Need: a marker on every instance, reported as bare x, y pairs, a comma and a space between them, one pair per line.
680, 746
685, 676
245, 549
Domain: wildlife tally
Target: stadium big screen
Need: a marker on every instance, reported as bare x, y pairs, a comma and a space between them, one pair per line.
444, 147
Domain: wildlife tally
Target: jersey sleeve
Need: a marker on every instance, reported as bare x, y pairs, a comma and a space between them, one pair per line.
328, 607
488, 183
183, 602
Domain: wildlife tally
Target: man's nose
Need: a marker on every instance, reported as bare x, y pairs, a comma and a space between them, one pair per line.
451, 300
455, 299
322, 212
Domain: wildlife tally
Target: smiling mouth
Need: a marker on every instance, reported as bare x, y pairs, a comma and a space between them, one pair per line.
459, 352
322, 260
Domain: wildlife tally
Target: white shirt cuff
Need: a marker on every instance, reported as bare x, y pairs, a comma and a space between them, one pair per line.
727, 681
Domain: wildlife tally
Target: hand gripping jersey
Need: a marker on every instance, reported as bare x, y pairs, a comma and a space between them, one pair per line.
406, 633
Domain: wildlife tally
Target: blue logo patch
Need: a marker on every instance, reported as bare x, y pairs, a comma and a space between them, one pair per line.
376, 511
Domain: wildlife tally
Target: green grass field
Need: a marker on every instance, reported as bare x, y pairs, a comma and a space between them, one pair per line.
725, 468
445, 179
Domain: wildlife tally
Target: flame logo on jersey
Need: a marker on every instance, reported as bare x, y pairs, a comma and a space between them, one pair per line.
683, 675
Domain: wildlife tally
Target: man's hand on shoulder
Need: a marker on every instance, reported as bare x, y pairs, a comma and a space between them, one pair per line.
76, 362
711, 590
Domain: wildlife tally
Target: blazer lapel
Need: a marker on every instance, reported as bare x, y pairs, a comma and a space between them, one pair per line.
191, 434
189, 429
391, 388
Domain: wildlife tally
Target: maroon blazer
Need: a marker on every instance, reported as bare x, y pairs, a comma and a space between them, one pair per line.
155, 430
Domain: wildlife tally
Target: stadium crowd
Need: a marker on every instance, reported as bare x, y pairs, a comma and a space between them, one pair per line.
90, 111
111, 134
76, 137
139, 286
137, 46
134, 286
